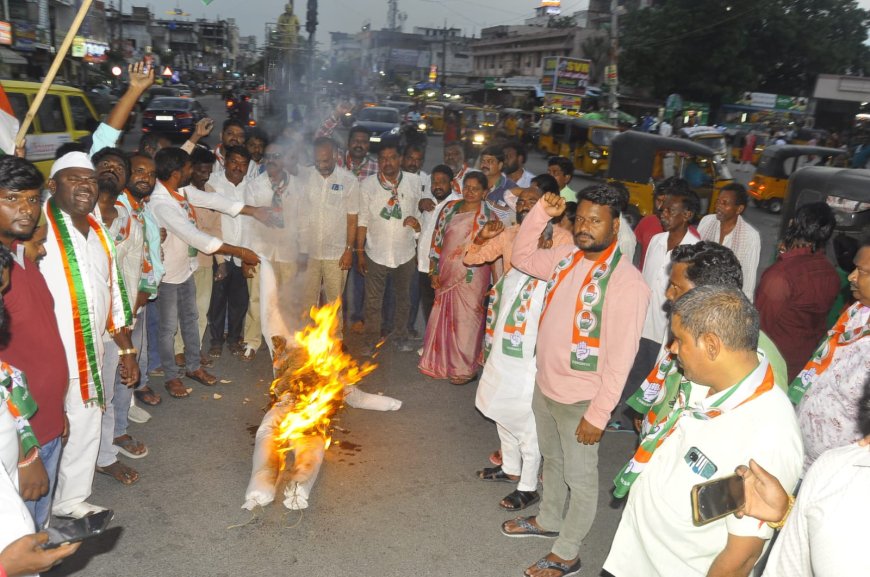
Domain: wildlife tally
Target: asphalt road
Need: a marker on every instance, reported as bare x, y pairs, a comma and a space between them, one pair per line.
397, 495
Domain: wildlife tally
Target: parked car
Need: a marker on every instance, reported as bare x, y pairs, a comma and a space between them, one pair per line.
183, 90
172, 116
383, 122
156, 92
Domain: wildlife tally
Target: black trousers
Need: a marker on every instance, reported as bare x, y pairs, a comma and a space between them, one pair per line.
427, 294
229, 305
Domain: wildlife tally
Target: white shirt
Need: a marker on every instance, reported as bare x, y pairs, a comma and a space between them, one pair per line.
94, 265
181, 233
626, 240
231, 225
744, 241
656, 536
825, 534
328, 202
277, 244
428, 220
388, 241
129, 237
656, 272
525, 180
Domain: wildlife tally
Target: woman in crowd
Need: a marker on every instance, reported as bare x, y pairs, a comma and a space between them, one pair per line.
453, 334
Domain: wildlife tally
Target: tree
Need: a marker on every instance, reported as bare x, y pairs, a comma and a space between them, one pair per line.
712, 51
596, 49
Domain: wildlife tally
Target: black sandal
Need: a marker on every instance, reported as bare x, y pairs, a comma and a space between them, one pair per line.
495, 474
519, 500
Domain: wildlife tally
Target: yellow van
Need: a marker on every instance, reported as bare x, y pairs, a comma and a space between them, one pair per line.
65, 115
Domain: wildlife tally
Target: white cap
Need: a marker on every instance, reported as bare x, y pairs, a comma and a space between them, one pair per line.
71, 160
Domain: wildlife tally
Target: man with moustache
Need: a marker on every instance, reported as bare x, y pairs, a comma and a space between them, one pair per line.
280, 244
515, 164
331, 195
441, 188
587, 339
33, 343
232, 135
356, 158
113, 170
90, 299
500, 197
173, 204
454, 157
385, 243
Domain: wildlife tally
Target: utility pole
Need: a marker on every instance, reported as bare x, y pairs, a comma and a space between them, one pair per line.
311, 28
444, 58
393, 14
613, 102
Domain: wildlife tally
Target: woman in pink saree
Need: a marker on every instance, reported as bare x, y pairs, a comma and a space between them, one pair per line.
455, 329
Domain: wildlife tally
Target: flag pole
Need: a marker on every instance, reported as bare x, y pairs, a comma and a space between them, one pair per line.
52, 72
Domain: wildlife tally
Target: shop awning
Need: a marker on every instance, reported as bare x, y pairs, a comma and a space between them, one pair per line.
8, 56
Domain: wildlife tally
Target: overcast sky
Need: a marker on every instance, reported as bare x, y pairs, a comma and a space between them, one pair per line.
349, 15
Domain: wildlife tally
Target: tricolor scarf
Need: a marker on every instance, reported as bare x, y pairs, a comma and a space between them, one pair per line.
393, 209
13, 388
655, 397
181, 198
149, 279
85, 333
450, 209
754, 385
820, 361
457, 180
516, 321
278, 190
586, 333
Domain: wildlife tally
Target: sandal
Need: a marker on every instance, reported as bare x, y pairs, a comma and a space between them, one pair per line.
564, 569
526, 529
215, 351
519, 500
176, 389
202, 376
130, 447
147, 396
459, 381
495, 458
495, 474
249, 355
119, 472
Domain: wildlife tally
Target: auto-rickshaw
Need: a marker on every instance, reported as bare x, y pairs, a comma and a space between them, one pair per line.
638, 160
769, 184
476, 128
553, 131
588, 145
708, 136
434, 115
739, 141
810, 136
845, 190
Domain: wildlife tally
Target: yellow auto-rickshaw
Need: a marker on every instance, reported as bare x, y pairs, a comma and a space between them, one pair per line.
739, 141
708, 136
638, 159
434, 115
588, 145
553, 132
476, 128
769, 184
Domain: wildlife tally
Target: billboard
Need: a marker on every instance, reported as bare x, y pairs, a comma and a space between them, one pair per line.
565, 75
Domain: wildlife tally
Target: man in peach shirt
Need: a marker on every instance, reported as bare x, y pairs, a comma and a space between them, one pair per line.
587, 340
494, 241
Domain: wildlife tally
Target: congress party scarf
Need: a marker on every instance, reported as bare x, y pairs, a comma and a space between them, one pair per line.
14, 390
85, 333
586, 333
755, 384
450, 209
181, 198
654, 399
838, 336
515, 324
393, 209
278, 190
152, 266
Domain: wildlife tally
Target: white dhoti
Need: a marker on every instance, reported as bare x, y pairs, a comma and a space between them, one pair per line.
507, 383
75, 476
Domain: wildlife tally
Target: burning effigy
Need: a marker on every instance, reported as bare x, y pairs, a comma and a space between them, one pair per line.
313, 380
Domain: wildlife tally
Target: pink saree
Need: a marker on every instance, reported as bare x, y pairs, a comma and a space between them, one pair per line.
454, 334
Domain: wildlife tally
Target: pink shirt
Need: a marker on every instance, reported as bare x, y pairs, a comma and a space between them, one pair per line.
502, 246
625, 305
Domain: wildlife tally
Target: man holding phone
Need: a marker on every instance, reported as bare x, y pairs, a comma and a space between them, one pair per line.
728, 409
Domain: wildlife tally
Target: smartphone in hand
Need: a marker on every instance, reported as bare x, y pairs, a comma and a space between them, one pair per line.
75, 530
716, 499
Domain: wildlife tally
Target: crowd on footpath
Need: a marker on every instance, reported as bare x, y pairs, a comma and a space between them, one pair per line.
137, 267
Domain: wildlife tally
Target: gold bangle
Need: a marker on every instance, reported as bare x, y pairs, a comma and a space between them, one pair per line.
779, 524
130, 351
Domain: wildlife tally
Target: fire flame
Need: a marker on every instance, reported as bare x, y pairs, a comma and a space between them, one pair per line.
316, 388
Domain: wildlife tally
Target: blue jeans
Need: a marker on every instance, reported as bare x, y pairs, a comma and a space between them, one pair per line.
123, 393
40, 509
177, 306
152, 317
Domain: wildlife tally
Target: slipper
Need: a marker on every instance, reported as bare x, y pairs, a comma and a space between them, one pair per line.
215, 351
495, 474
249, 355
176, 389
527, 529
127, 445
459, 381
147, 396
119, 472
519, 500
202, 377
564, 569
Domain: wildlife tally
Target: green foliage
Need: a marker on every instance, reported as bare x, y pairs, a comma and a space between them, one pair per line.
713, 50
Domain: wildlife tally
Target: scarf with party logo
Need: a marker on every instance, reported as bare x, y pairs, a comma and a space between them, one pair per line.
181, 199
278, 191
586, 325
516, 321
838, 336
758, 382
481, 217
152, 265
393, 209
656, 396
84, 331
14, 390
